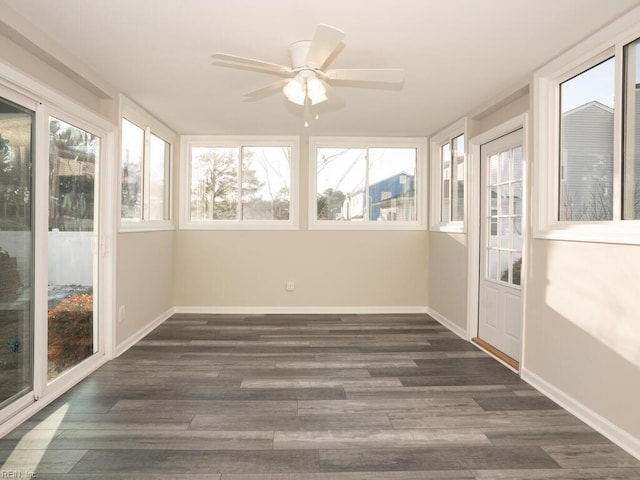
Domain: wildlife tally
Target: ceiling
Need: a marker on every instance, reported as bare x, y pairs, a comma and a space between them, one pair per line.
458, 55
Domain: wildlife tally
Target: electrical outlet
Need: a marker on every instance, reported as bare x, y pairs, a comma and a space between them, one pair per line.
291, 285
121, 313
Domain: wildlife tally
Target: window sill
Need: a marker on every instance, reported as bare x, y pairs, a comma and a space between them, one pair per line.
379, 226
136, 226
245, 225
622, 232
458, 227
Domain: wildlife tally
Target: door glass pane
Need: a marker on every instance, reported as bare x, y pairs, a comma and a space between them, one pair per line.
505, 266
16, 255
586, 145
341, 181
493, 169
132, 161
73, 156
492, 267
266, 183
631, 160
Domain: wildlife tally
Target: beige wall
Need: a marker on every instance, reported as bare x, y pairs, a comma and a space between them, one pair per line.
330, 269
144, 280
447, 294
582, 325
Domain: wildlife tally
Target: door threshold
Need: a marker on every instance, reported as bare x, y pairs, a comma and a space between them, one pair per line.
503, 357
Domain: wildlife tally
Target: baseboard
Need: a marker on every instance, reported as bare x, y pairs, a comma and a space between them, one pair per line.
337, 310
461, 332
614, 433
140, 334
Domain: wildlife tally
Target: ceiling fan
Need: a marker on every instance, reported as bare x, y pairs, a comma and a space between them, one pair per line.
309, 60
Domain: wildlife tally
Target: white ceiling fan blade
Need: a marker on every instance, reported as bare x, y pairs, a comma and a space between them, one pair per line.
270, 67
376, 75
267, 89
325, 41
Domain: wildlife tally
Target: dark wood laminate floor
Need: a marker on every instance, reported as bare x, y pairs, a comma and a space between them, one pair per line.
308, 398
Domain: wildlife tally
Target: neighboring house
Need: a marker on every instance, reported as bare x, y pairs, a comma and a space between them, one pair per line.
390, 199
586, 171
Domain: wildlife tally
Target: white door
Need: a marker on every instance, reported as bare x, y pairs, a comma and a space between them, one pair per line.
500, 314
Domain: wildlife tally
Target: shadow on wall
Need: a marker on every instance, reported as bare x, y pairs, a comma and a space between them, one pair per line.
582, 331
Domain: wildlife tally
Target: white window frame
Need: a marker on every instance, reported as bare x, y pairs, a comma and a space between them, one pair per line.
439, 139
187, 142
547, 156
420, 144
141, 118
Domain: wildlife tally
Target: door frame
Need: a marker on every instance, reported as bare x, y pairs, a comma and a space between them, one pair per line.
474, 191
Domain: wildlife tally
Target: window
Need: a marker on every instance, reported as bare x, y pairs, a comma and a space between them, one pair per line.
586, 145
145, 187
448, 178
239, 182
365, 183
588, 138
631, 166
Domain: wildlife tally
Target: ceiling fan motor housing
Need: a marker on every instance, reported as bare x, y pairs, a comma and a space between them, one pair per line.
298, 53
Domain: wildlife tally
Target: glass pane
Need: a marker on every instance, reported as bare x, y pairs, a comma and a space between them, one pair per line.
392, 194
159, 157
266, 183
493, 169
516, 233
214, 183
504, 228
73, 156
16, 257
503, 199
586, 142
492, 267
516, 267
516, 169
505, 166
341, 174
631, 159
505, 267
131, 175
445, 155
457, 180
516, 198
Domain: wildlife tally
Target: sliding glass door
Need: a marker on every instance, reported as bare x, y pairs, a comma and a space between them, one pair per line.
72, 253
16, 252
49, 251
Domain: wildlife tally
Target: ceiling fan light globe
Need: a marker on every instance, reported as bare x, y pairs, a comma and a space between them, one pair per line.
315, 88
295, 91
318, 99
